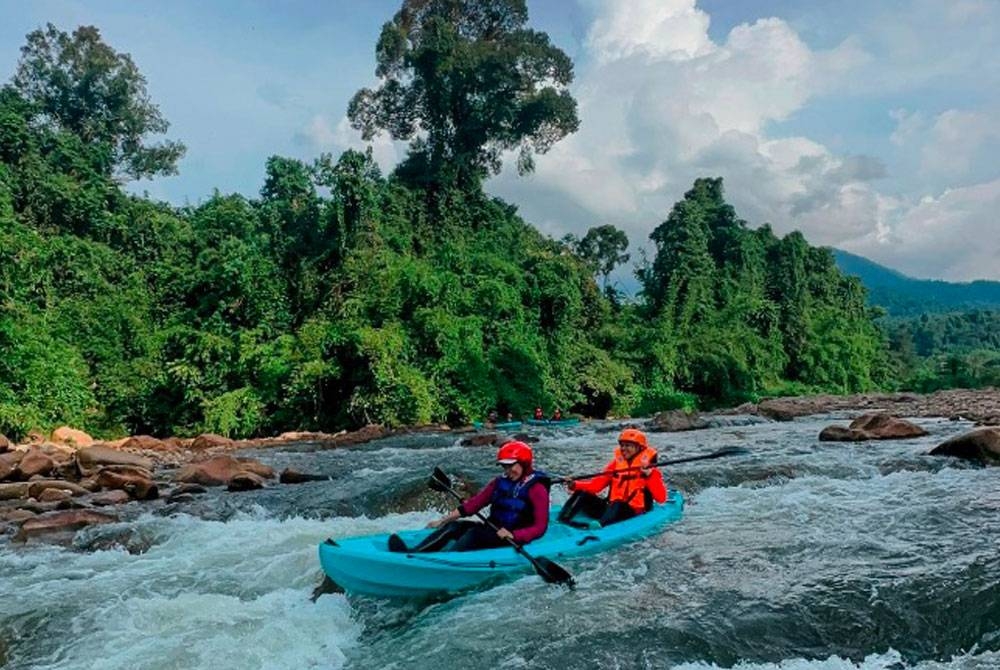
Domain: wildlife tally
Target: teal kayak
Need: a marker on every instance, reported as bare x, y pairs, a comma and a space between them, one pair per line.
503, 425
555, 423
364, 565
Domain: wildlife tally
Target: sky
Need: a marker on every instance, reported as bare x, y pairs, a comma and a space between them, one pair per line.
870, 126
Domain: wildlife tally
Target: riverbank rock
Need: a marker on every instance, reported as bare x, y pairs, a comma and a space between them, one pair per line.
4, 443
872, 426
90, 459
290, 476
675, 420
60, 526
210, 441
978, 445
71, 436
133, 480
218, 471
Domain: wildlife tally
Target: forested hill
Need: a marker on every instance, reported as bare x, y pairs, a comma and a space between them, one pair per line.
342, 296
901, 295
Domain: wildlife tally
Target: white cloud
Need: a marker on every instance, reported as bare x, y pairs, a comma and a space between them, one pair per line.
320, 135
673, 29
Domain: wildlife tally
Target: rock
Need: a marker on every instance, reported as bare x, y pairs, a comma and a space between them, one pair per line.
210, 441
92, 458
290, 476
109, 498
4, 443
360, 436
256, 467
15, 515
6, 471
35, 462
36, 488
675, 420
215, 471
480, 440
147, 443
13, 491
841, 434
137, 482
883, 426
53, 495
60, 523
982, 444
72, 436
188, 489
245, 481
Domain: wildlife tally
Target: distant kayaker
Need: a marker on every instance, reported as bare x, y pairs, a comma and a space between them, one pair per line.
557, 415
519, 506
492, 417
630, 493
539, 414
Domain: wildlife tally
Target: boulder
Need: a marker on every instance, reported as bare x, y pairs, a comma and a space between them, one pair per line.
92, 458
148, 443
72, 436
36, 488
480, 440
35, 462
982, 444
5, 444
13, 490
109, 498
6, 471
136, 481
210, 441
675, 420
60, 523
256, 467
883, 426
53, 495
245, 481
215, 471
290, 476
841, 434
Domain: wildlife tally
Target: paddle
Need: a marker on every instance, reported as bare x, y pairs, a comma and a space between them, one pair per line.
725, 451
551, 572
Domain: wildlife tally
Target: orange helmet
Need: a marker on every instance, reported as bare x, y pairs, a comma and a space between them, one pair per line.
633, 435
514, 452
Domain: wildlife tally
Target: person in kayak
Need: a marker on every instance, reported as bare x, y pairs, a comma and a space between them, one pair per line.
519, 506
557, 415
629, 493
539, 414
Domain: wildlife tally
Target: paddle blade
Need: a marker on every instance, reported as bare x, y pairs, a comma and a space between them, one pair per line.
439, 481
552, 573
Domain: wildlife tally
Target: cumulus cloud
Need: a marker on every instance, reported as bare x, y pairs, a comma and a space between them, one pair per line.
322, 135
661, 104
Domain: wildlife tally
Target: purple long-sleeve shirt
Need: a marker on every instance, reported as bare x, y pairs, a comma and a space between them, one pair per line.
538, 497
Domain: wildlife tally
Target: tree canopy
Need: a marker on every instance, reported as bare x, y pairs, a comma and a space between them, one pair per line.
466, 80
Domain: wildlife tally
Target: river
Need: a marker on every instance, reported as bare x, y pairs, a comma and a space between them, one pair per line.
800, 555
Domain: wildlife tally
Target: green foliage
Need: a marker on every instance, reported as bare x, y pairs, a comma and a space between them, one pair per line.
470, 81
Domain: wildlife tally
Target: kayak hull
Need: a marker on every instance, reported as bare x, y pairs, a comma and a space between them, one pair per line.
363, 565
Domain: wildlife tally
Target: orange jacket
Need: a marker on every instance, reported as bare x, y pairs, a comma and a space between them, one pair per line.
628, 486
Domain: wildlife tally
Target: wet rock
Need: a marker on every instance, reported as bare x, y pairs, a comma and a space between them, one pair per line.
525, 437
6, 471
290, 476
72, 436
109, 498
480, 440
245, 481
675, 420
872, 426
92, 458
360, 436
187, 490
256, 467
15, 515
59, 526
217, 471
133, 540
136, 481
53, 495
5, 445
981, 445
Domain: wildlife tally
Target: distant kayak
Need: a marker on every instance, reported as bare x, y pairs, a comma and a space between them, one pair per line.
553, 422
503, 425
364, 565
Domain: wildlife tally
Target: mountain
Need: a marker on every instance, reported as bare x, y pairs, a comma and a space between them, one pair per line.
901, 295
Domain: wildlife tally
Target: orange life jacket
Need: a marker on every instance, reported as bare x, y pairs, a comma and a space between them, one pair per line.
629, 486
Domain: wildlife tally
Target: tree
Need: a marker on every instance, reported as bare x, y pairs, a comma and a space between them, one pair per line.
603, 247
469, 81
81, 85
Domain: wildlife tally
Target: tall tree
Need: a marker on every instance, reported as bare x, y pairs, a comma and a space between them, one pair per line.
603, 247
83, 86
469, 81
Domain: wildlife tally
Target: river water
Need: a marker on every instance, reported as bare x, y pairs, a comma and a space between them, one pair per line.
798, 556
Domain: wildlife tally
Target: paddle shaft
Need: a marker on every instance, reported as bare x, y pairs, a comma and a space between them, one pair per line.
703, 457
495, 527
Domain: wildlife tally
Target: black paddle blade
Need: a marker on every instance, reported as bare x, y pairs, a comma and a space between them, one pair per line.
439, 481
552, 573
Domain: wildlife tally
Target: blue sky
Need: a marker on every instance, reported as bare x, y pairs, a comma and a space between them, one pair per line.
873, 127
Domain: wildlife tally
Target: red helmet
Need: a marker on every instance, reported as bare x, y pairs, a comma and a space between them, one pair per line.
634, 436
514, 452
